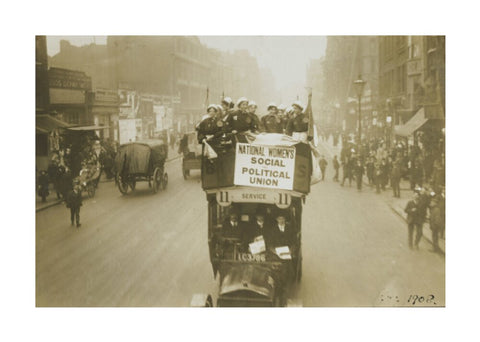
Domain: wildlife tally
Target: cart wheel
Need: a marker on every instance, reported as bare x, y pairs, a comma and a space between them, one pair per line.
133, 184
91, 190
122, 185
157, 179
165, 181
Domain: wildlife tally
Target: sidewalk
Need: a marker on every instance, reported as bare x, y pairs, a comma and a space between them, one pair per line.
397, 205
52, 200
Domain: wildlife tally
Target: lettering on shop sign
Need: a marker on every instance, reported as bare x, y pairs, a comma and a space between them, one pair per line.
264, 166
68, 79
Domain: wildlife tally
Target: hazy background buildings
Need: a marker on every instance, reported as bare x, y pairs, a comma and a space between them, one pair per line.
128, 87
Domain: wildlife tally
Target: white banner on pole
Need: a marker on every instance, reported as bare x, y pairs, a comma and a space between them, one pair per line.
264, 166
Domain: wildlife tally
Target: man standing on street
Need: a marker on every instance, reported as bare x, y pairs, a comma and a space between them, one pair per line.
395, 176
336, 166
43, 185
377, 176
74, 202
415, 219
370, 169
437, 218
323, 165
359, 171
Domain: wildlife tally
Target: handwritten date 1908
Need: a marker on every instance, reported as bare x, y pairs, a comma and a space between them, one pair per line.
416, 299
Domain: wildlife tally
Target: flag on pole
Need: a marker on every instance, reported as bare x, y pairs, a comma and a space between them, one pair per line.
206, 99
309, 112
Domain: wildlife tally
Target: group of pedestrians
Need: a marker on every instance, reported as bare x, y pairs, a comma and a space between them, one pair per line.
416, 210
67, 183
385, 169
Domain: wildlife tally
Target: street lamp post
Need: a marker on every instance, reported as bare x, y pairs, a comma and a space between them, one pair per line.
359, 85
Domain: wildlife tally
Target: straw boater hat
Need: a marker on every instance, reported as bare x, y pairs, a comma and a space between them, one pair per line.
241, 100
272, 105
212, 106
298, 104
227, 100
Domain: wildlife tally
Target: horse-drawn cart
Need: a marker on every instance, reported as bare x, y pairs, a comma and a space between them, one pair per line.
142, 161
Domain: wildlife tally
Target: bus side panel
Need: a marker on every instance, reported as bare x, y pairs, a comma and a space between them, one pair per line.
218, 172
303, 168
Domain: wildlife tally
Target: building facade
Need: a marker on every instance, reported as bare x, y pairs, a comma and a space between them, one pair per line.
347, 58
103, 106
174, 70
42, 100
322, 114
69, 91
412, 83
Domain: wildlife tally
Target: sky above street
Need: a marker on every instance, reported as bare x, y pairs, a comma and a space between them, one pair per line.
286, 56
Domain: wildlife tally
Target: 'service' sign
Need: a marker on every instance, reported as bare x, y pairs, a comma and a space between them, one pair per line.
264, 166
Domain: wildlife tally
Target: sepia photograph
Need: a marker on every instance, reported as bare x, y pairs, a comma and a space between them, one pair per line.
240, 171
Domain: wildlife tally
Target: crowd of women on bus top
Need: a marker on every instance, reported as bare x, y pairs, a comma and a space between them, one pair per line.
225, 118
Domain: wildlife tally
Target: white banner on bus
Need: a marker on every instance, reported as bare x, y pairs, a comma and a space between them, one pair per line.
264, 166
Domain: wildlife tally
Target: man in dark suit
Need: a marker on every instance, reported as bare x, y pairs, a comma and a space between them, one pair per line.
231, 227
282, 233
74, 202
395, 177
359, 171
437, 218
323, 165
336, 166
415, 217
259, 228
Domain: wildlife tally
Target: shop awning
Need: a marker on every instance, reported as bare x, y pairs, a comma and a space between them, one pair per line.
417, 121
47, 123
39, 130
87, 128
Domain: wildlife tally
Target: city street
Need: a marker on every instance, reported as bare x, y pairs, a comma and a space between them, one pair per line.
148, 249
